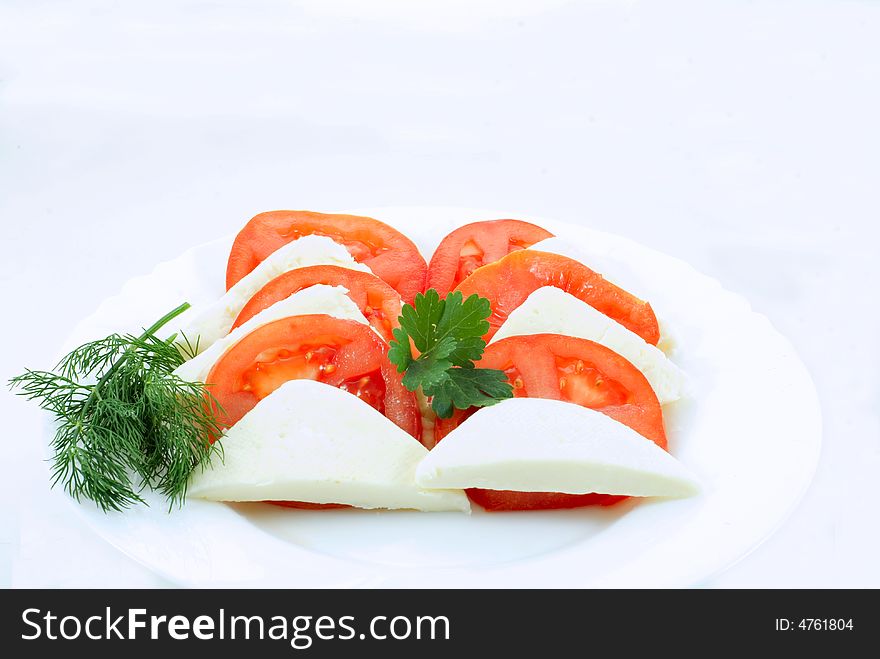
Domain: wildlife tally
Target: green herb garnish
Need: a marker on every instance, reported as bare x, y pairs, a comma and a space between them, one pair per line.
136, 418
448, 334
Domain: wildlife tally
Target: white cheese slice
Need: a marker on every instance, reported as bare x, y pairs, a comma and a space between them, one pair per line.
318, 299
311, 442
215, 320
537, 445
551, 310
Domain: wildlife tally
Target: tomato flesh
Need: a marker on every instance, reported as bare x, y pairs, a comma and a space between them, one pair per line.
341, 353
474, 245
470, 258
503, 500
575, 370
389, 254
509, 281
585, 385
379, 303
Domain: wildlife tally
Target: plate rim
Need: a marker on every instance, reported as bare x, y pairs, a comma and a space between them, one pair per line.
807, 477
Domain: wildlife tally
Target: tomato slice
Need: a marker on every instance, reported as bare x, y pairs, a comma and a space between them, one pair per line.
342, 353
474, 245
379, 303
509, 281
388, 253
498, 500
574, 370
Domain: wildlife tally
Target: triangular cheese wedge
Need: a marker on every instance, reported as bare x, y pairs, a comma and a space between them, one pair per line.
318, 299
551, 310
212, 322
537, 445
311, 442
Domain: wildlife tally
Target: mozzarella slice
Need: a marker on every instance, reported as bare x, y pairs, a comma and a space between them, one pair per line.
314, 443
318, 299
551, 310
214, 321
537, 445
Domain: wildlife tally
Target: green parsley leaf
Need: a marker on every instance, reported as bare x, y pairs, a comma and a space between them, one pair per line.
399, 352
466, 321
469, 387
448, 334
420, 321
426, 373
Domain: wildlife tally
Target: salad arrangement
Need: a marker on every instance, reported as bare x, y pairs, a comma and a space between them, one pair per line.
339, 368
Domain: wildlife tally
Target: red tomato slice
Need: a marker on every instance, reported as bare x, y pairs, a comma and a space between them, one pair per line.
474, 245
498, 500
388, 253
379, 303
575, 370
509, 281
342, 353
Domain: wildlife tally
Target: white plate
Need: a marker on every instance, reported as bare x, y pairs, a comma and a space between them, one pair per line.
750, 431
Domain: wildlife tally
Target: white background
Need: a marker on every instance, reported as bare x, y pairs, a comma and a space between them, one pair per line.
743, 137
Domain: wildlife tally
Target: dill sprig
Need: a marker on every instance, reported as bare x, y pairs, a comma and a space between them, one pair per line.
124, 420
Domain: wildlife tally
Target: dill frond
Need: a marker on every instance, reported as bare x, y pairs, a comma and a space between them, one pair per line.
124, 420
